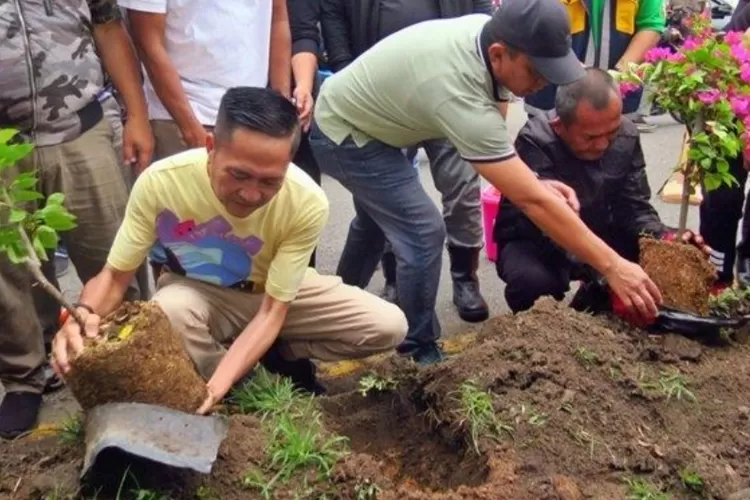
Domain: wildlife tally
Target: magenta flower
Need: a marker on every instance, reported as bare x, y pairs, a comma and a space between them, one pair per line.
746, 122
709, 96
676, 57
628, 87
657, 54
740, 53
691, 43
745, 72
733, 37
741, 106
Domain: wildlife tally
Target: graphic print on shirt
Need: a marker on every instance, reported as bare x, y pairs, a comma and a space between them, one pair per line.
208, 252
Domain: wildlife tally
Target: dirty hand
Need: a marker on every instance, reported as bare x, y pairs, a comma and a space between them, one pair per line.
304, 101
691, 238
564, 192
634, 288
137, 143
69, 338
211, 400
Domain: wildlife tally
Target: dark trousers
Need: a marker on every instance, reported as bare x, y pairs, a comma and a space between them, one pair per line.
720, 215
305, 160
532, 269
390, 204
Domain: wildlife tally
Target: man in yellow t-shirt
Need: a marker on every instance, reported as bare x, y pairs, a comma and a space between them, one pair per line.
238, 223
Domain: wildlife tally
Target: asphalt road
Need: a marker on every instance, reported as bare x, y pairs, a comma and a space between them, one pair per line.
661, 148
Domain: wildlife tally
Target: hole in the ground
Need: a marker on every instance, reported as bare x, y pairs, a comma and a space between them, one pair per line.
395, 431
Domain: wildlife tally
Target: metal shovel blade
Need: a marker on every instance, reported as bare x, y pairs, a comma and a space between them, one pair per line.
156, 433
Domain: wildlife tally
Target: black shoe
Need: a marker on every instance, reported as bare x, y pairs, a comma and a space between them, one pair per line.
466, 295
52, 382
422, 354
300, 371
591, 297
743, 271
18, 413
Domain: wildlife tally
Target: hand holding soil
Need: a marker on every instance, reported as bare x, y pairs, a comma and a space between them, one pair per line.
634, 288
68, 340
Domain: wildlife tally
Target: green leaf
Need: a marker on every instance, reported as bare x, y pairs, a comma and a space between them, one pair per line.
23, 196
60, 220
6, 134
12, 154
26, 180
55, 199
39, 249
16, 253
711, 183
17, 216
722, 165
706, 163
47, 236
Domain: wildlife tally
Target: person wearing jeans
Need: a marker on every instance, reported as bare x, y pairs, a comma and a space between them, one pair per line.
351, 28
451, 79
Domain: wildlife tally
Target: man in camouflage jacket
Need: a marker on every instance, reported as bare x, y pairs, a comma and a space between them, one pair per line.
54, 55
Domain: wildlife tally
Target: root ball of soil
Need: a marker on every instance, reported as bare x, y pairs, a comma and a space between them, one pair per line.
682, 273
140, 359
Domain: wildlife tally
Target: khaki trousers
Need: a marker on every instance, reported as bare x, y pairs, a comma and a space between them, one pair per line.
328, 320
88, 171
168, 138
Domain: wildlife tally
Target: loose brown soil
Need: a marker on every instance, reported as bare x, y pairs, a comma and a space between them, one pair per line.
584, 397
682, 273
148, 364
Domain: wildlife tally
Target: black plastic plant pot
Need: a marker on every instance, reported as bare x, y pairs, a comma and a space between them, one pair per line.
693, 325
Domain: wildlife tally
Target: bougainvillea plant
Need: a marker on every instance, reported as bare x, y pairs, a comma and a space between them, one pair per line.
706, 82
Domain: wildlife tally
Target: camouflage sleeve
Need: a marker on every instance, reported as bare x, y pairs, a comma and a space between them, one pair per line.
104, 11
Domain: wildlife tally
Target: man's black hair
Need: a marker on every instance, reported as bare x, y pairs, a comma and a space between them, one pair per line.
260, 110
598, 88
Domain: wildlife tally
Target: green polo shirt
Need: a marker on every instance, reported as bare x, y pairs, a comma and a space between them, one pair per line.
427, 81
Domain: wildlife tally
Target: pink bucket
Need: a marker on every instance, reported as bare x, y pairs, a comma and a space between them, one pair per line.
490, 205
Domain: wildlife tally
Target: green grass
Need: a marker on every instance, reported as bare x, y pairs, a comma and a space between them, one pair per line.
691, 480
292, 422
638, 489
373, 383
72, 429
477, 413
366, 490
267, 394
586, 357
671, 384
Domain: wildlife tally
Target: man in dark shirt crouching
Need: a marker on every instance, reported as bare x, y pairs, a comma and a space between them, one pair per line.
586, 143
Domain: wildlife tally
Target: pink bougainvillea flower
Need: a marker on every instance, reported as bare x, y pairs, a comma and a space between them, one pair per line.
628, 87
740, 53
691, 43
709, 96
676, 57
740, 105
745, 72
657, 54
733, 37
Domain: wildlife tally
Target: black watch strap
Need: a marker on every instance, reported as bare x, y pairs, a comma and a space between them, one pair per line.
84, 306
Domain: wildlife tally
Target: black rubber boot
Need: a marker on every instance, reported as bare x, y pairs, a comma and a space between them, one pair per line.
300, 371
390, 292
743, 271
466, 295
18, 413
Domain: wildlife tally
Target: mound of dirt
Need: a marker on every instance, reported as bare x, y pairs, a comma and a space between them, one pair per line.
583, 408
682, 273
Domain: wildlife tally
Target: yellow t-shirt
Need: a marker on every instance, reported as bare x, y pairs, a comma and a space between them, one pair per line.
173, 209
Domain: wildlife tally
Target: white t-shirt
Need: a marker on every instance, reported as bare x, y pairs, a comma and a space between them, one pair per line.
214, 45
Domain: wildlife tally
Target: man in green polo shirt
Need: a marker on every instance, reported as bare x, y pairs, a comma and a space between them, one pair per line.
452, 79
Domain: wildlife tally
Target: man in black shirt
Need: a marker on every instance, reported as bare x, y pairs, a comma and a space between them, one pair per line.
587, 144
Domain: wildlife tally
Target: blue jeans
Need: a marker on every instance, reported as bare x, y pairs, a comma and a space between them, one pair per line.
391, 203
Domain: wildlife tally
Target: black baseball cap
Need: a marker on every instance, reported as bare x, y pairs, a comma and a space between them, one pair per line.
541, 30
